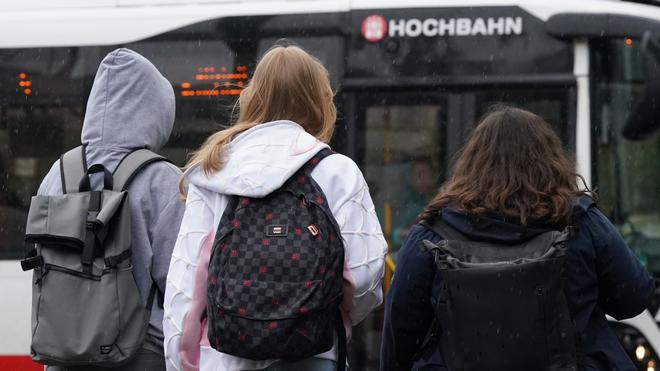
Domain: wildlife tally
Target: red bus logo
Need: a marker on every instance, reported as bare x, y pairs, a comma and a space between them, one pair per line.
374, 28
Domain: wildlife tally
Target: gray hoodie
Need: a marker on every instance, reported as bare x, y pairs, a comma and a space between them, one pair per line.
131, 105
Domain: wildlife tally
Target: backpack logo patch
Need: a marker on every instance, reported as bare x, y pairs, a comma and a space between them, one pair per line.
106, 349
277, 230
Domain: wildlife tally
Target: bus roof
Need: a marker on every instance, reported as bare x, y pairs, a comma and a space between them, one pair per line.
50, 23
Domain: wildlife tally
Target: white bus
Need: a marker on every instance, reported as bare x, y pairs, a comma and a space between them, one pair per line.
411, 78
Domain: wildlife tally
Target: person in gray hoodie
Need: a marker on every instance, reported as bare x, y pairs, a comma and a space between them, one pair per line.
132, 106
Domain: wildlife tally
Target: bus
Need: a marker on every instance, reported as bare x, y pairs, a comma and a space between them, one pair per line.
411, 79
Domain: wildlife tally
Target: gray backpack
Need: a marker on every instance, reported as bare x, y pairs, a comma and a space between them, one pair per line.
86, 308
504, 306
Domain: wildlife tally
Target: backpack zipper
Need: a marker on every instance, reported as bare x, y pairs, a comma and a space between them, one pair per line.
57, 268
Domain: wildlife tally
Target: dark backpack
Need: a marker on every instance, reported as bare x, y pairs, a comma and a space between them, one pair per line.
505, 306
86, 308
276, 274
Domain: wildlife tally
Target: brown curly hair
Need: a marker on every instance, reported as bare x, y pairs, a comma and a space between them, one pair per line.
513, 164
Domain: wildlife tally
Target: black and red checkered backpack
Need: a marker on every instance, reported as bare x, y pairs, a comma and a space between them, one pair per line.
275, 274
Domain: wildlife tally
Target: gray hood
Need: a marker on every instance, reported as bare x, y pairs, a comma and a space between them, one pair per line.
131, 105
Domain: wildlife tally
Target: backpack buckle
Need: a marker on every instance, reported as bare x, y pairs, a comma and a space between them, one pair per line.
313, 229
32, 263
92, 222
32, 260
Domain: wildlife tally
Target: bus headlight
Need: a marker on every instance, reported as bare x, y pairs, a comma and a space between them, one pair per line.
641, 352
636, 346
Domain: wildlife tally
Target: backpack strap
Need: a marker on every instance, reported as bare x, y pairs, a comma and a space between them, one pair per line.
309, 166
131, 165
127, 169
151, 297
446, 232
342, 353
73, 167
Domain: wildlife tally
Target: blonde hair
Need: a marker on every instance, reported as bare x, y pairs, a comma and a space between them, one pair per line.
288, 84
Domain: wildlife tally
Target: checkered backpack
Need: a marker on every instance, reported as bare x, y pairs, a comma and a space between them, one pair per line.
275, 274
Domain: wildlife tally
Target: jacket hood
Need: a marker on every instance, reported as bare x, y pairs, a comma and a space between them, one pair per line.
492, 228
260, 160
131, 105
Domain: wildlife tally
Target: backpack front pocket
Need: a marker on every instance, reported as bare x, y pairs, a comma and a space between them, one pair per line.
265, 320
76, 320
133, 317
268, 300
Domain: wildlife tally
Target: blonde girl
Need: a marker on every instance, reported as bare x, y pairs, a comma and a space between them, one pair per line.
286, 115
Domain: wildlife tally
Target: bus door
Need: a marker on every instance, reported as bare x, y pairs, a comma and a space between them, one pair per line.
399, 140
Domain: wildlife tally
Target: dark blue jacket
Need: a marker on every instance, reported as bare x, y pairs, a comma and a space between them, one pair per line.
602, 275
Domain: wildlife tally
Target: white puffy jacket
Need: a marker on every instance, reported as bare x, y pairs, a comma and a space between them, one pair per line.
257, 162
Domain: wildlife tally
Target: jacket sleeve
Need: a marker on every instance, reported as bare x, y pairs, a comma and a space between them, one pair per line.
625, 286
52, 182
164, 237
408, 308
197, 221
364, 245
365, 250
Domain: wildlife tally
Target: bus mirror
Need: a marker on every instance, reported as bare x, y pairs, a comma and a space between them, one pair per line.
644, 119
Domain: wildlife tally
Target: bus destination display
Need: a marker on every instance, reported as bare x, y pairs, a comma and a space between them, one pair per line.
215, 81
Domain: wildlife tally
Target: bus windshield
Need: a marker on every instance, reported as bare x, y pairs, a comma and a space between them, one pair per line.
625, 169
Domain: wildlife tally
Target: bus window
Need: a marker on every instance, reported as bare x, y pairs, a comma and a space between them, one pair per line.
625, 171
43, 93
42, 98
402, 157
624, 166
